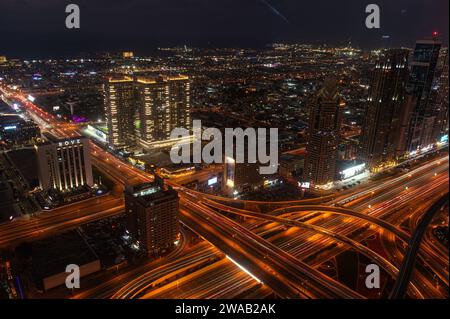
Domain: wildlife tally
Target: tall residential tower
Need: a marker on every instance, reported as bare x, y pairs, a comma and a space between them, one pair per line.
381, 132
120, 110
158, 103
323, 134
163, 104
421, 78
442, 97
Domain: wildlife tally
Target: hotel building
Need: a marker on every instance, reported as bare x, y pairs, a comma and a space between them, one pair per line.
64, 165
153, 215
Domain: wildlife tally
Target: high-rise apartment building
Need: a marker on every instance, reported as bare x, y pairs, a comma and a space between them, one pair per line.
120, 110
180, 101
65, 164
153, 215
442, 97
421, 78
323, 134
163, 104
380, 138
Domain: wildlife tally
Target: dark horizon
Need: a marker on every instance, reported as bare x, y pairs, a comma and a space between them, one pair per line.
37, 30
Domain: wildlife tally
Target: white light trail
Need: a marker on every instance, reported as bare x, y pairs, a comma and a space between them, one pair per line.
245, 270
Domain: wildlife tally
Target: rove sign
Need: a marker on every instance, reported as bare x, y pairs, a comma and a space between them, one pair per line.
70, 142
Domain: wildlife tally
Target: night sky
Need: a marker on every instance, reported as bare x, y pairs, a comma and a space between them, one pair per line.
36, 28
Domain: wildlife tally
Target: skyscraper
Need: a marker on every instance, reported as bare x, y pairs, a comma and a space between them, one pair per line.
180, 101
442, 96
153, 215
153, 108
120, 110
385, 104
64, 164
323, 134
422, 73
163, 104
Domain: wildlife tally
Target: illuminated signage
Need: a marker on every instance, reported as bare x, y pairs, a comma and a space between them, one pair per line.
352, 171
31, 98
306, 185
147, 191
212, 181
9, 128
68, 143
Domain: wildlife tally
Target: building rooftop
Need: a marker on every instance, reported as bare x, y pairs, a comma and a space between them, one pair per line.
52, 139
147, 193
119, 79
160, 79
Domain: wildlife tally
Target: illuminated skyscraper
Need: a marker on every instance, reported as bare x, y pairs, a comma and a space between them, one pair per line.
380, 139
179, 101
163, 104
120, 111
153, 215
422, 73
442, 96
323, 134
64, 164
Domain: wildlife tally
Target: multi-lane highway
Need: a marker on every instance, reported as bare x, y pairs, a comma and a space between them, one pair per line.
295, 245
60, 219
404, 275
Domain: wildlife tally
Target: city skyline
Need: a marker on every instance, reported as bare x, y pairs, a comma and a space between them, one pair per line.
290, 170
